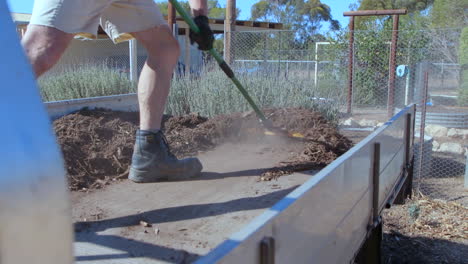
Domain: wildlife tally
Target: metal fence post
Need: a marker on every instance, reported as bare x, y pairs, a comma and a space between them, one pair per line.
392, 68
350, 67
132, 47
187, 51
422, 129
466, 171
316, 66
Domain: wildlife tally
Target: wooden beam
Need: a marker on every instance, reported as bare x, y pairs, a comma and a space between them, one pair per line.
376, 12
171, 17
264, 24
246, 23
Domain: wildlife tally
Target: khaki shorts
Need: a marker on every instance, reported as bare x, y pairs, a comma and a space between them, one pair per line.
82, 17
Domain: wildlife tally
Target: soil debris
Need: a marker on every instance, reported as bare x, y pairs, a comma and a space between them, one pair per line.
98, 144
145, 224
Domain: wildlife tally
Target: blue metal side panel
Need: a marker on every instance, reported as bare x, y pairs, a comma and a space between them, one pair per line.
325, 219
35, 216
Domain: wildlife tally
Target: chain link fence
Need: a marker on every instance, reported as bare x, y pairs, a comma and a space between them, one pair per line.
319, 65
319, 71
324, 66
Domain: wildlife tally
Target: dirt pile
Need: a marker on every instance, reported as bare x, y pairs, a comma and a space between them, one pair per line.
98, 144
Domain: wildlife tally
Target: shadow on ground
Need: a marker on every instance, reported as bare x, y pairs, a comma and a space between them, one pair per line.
400, 249
88, 231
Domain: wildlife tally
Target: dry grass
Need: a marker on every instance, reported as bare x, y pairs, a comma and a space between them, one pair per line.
426, 230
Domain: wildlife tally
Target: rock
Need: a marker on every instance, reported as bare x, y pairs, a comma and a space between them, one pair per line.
435, 145
349, 122
436, 130
454, 132
368, 122
145, 224
452, 148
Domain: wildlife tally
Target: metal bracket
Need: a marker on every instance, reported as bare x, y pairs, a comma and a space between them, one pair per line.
267, 250
404, 190
375, 172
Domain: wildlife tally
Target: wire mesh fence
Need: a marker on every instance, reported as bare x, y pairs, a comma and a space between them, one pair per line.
324, 66
280, 71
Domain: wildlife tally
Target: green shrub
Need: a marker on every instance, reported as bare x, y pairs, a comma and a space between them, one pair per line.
210, 93
462, 99
213, 93
463, 57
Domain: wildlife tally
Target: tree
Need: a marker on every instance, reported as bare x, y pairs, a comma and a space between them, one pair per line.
446, 22
449, 14
414, 19
411, 5
431, 30
303, 16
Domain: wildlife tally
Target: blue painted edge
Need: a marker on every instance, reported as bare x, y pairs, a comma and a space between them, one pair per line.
237, 238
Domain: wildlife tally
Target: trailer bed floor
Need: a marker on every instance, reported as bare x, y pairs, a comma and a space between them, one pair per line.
189, 218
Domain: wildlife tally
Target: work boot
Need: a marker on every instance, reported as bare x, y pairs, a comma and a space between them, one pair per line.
152, 160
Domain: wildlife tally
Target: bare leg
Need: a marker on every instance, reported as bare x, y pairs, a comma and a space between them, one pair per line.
155, 79
44, 46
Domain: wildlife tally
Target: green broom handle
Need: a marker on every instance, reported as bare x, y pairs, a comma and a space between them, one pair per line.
224, 66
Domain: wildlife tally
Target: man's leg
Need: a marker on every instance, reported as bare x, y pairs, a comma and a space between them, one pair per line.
152, 160
44, 46
155, 79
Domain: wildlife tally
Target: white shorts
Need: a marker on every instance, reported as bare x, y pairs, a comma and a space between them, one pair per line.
82, 17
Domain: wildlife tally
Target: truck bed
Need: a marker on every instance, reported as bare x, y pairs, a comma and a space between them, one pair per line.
186, 219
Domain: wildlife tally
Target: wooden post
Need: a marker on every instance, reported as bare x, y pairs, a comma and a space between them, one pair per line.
350, 66
229, 27
171, 15
392, 68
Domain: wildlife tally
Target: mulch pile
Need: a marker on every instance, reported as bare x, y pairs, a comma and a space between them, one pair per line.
97, 144
425, 230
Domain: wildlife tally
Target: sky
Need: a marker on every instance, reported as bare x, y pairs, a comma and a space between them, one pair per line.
337, 7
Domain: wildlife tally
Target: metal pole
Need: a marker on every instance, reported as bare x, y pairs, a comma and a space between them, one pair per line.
350, 67
407, 91
422, 127
229, 26
392, 68
132, 51
316, 65
375, 171
187, 51
466, 172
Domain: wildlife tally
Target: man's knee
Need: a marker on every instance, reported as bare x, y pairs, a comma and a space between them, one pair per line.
44, 46
170, 50
160, 44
